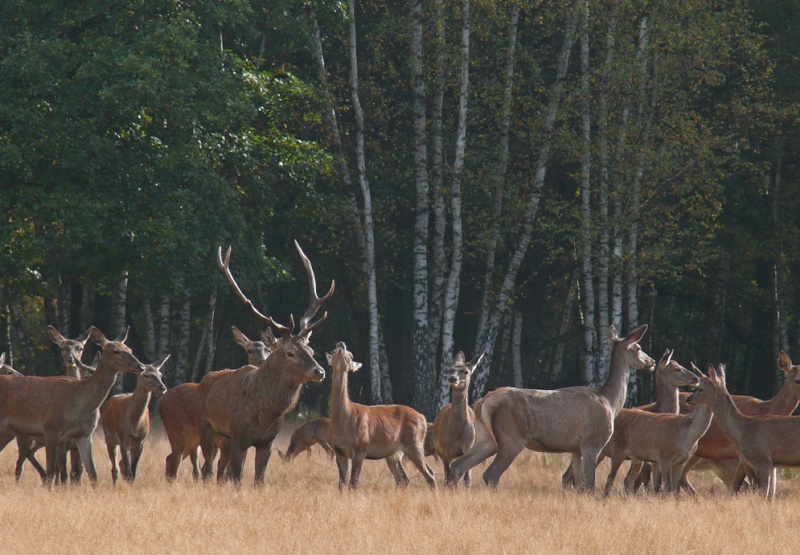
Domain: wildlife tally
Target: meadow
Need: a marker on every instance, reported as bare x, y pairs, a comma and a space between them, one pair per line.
300, 510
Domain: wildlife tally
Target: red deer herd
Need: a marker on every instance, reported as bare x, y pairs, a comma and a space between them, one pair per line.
232, 410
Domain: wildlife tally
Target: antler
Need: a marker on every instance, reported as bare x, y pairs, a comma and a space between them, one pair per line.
316, 302
224, 266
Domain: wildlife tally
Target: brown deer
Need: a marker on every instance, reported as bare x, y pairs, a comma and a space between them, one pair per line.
716, 448
126, 421
764, 442
62, 408
669, 376
307, 436
577, 420
453, 429
248, 405
182, 409
360, 432
5, 369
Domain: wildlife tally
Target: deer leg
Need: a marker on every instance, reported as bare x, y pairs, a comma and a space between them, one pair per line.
507, 450
224, 446
616, 462
417, 457
262, 459
643, 477
193, 459
342, 462
209, 448
690, 464
355, 470
483, 448
85, 449
136, 454
568, 478
589, 462
23, 451
237, 463
51, 456
76, 466
629, 483
328, 450
395, 465
61, 454
738, 479
112, 455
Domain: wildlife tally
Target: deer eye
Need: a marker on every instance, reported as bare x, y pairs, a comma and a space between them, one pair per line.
290, 354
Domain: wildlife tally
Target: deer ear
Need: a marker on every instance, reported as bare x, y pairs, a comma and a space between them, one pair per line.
696, 370
636, 335
459, 358
356, 366
329, 357
268, 339
56, 337
785, 362
665, 358
612, 334
99, 337
238, 336
721, 373
123, 337
2, 359
159, 363
473, 364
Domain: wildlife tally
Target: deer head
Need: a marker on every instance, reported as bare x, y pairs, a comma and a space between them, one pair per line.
71, 349
635, 357
711, 387
459, 374
151, 377
792, 371
5, 369
673, 373
291, 352
341, 360
257, 351
119, 356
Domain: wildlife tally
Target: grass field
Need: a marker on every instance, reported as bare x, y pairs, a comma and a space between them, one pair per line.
300, 510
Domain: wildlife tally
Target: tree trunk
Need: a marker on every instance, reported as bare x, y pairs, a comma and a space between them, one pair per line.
386, 382
25, 347
7, 329
87, 306
590, 324
64, 307
516, 348
147, 331
499, 175
493, 322
183, 331
454, 276
605, 251
421, 356
119, 300
780, 331
163, 330
566, 318
206, 338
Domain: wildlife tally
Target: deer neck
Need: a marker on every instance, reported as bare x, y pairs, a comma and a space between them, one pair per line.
340, 399
138, 404
729, 417
96, 388
701, 419
785, 401
276, 390
667, 397
458, 402
615, 390
73, 372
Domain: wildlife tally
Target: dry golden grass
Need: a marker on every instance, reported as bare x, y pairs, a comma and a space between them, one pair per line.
300, 510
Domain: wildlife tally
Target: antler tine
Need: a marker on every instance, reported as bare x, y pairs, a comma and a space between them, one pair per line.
316, 302
224, 266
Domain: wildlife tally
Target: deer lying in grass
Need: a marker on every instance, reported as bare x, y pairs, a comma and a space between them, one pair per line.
307, 436
126, 421
716, 448
64, 409
453, 429
248, 405
669, 376
577, 420
360, 432
182, 410
764, 442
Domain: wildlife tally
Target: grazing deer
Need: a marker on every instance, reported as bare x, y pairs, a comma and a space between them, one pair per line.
126, 421
64, 409
182, 409
669, 376
663, 438
454, 427
307, 436
248, 405
764, 442
716, 448
577, 420
360, 432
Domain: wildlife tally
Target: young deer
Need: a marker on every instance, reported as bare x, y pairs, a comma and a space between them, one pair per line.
764, 442
577, 420
248, 405
307, 436
453, 429
182, 410
669, 376
126, 421
360, 432
64, 409
716, 448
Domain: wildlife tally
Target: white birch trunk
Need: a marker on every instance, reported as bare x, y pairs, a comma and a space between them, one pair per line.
566, 318
146, 327
163, 334
516, 349
183, 331
499, 175
420, 357
119, 300
454, 276
490, 333
780, 334
589, 324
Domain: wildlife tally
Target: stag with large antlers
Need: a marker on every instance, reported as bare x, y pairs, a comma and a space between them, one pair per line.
248, 405
577, 420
